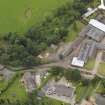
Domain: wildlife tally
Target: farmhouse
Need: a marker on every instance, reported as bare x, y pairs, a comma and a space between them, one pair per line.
28, 81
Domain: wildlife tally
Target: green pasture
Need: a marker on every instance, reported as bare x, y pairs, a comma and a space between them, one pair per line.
19, 15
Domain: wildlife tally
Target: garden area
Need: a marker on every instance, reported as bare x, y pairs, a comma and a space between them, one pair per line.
101, 69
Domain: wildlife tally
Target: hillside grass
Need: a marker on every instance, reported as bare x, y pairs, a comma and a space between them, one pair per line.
19, 15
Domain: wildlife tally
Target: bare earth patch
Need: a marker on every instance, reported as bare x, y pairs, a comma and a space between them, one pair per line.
28, 13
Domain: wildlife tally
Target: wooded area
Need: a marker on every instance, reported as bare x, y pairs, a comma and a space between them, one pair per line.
22, 50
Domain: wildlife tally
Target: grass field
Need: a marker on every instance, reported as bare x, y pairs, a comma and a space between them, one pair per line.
52, 101
19, 15
101, 70
84, 92
90, 64
17, 89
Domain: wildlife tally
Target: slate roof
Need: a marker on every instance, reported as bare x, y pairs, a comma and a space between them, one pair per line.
88, 50
83, 55
92, 32
95, 34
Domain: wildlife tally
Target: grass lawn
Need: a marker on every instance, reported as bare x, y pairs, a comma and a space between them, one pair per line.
19, 15
16, 89
90, 64
74, 30
100, 88
49, 101
83, 91
80, 93
3, 83
101, 70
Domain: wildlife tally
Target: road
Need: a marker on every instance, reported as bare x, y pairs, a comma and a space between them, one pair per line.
63, 64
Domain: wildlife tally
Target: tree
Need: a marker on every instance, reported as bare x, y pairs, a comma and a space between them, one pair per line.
95, 80
23, 50
73, 75
4, 59
31, 61
57, 71
103, 83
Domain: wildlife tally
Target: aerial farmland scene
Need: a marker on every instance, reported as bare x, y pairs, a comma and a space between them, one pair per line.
52, 52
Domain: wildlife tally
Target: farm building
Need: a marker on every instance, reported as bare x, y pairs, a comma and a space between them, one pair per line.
97, 24
88, 50
77, 62
95, 34
101, 18
28, 81
68, 48
94, 30
100, 46
89, 12
83, 55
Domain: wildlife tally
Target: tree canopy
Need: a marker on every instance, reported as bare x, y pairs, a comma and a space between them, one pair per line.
22, 50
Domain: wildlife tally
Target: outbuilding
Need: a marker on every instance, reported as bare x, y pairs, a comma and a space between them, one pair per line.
77, 62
